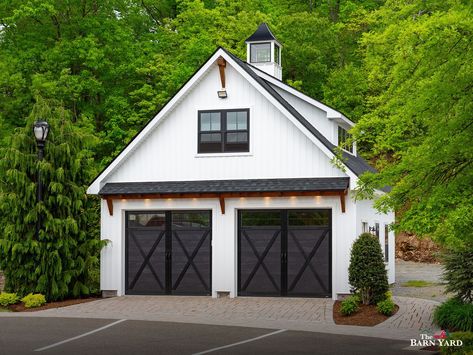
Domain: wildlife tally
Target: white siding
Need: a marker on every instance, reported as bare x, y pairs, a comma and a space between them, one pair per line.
317, 117
365, 212
278, 149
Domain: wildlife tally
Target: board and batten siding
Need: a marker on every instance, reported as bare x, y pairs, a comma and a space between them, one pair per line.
365, 212
278, 149
315, 116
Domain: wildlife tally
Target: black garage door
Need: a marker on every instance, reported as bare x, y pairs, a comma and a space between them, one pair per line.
284, 253
168, 252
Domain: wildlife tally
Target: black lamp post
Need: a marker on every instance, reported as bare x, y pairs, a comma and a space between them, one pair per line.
40, 130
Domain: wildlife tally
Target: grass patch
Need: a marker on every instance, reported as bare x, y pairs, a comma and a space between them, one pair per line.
419, 283
4, 309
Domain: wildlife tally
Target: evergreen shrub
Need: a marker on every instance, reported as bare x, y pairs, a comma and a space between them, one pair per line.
367, 273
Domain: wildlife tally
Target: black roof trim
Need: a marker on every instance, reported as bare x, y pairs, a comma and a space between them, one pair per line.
263, 33
356, 164
227, 186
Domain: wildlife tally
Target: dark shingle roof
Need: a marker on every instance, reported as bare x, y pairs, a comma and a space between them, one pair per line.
227, 186
263, 33
356, 164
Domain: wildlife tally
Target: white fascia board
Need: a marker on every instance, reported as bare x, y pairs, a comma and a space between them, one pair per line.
96, 185
331, 113
343, 120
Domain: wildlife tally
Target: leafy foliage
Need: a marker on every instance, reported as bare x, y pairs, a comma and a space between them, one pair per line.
367, 274
386, 307
417, 124
454, 315
7, 299
56, 261
350, 305
458, 273
33, 300
465, 349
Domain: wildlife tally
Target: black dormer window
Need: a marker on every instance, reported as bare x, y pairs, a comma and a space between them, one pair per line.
222, 131
260, 52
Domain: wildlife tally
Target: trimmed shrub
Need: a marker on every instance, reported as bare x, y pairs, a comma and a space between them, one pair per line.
32, 301
466, 349
350, 305
386, 307
367, 273
7, 299
458, 271
454, 315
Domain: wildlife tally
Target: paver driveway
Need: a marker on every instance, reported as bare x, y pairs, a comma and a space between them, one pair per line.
307, 314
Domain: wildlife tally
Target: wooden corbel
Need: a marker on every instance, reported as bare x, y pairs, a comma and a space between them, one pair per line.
222, 63
342, 200
222, 203
110, 206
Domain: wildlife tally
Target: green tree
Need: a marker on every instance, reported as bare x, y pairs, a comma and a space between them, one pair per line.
419, 128
367, 274
57, 261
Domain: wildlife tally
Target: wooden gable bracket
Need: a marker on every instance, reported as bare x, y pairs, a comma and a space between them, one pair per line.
110, 206
222, 63
342, 200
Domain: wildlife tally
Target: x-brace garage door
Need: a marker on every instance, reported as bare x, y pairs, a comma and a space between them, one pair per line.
284, 253
168, 252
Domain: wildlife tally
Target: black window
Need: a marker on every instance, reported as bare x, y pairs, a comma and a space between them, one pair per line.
224, 131
260, 52
344, 139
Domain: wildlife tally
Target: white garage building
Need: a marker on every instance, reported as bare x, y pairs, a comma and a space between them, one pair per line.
231, 189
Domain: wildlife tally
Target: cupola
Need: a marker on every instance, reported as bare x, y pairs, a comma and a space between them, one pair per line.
264, 51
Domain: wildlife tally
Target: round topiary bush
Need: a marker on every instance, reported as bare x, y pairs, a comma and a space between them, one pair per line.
367, 274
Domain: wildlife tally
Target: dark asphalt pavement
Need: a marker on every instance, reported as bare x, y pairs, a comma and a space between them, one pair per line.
24, 335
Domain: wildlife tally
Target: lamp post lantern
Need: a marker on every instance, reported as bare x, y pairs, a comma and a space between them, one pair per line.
40, 130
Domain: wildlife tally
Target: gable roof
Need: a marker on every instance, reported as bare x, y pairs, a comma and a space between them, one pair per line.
355, 164
263, 33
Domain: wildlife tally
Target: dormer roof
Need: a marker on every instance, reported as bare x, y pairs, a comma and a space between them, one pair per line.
263, 33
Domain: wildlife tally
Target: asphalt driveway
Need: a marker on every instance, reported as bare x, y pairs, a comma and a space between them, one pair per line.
27, 335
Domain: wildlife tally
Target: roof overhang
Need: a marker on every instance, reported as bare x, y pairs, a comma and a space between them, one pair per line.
222, 189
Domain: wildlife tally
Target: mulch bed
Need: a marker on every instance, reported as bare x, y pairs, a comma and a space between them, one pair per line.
367, 316
21, 308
